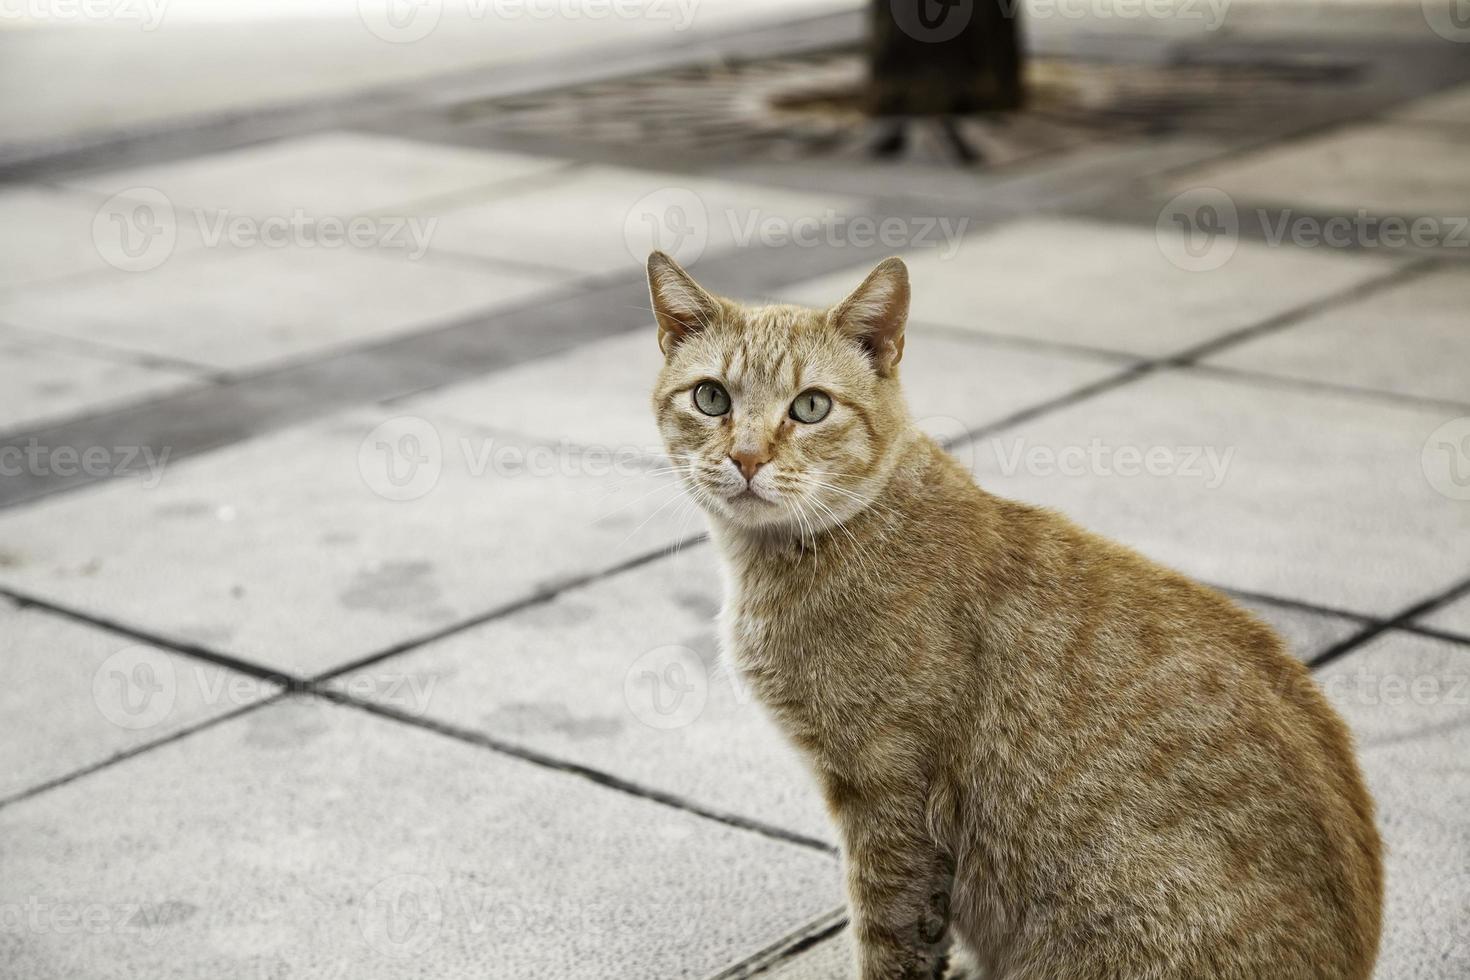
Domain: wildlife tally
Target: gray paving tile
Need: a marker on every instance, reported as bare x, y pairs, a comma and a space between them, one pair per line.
314, 546
1218, 478
1454, 618
75, 696
1105, 286
1410, 339
598, 394
52, 234
1346, 170
238, 309
43, 381
339, 174
607, 219
1407, 700
624, 677
307, 839
1450, 106
1305, 633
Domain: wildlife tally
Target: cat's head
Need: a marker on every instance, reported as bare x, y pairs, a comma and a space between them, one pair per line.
780, 416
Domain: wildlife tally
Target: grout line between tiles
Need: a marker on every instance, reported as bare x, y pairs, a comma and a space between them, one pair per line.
1329, 388
593, 775
226, 660
1406, 272
137, 750
814, 933
1400, 619
1435, 633
506, 609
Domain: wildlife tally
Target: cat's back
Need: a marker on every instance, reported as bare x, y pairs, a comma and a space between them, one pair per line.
1140, 734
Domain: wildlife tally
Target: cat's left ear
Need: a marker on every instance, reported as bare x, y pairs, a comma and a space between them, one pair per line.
875, 314
681, 305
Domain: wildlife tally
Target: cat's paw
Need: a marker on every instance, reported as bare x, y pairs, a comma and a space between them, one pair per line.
958, 964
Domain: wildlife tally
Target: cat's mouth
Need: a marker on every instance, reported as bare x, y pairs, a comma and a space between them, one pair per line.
749, 496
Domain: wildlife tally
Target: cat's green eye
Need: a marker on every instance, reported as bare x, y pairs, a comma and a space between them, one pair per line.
711, 399
811, 406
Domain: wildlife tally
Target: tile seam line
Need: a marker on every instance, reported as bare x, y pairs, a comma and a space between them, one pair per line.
576, 287
1135, 209
1382, 395
1396, 276
811, 934
290, 682
1403, 618
118, 628
1127, 375
571, 584
1289, 602
572, 287
109, 353
599, 777
1435, 633
1162, 178
137, 750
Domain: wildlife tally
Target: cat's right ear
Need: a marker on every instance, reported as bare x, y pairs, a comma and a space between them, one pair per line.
681, 305
875, 314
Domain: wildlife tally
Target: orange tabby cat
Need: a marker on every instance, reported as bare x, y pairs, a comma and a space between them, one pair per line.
1081, 763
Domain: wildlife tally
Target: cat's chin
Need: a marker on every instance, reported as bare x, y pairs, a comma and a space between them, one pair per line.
750, 511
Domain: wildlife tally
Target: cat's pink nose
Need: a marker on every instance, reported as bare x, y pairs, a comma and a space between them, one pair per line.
750, 461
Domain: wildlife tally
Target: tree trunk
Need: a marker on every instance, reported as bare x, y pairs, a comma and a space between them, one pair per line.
943, 57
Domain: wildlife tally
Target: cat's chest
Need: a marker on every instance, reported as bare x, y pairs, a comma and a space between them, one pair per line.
781, 638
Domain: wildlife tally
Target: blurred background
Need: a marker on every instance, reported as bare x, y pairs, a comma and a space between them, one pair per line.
351, 624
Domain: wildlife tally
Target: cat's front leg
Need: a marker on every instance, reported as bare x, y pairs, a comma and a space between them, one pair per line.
898, 888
